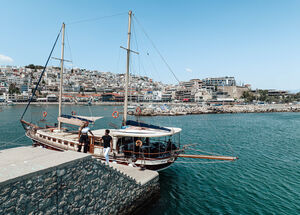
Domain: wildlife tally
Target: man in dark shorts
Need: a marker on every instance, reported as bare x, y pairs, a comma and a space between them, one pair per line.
107, 144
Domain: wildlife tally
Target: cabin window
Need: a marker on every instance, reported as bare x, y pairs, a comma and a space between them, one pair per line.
59, 141
54, 139
72, 144
66, 142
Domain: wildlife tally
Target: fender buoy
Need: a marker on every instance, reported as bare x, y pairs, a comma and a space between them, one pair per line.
138, 110
139, 143
115, 114
44, 114
73, 113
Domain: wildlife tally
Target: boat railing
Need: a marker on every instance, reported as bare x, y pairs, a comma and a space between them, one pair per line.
153, 154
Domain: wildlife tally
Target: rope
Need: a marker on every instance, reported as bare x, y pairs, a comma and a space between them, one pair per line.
152, 43
98, 18
13, 141
71, 57
35, 89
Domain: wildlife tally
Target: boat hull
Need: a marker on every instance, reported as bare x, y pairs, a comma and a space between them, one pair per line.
151, 164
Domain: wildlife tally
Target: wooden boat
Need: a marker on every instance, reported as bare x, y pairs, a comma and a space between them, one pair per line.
134, 143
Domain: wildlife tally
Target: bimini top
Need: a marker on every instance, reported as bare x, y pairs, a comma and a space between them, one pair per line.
77, 120
138, 129
134, 131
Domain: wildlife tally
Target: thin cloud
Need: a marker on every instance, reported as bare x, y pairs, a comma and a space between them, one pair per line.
5, 59
188, 70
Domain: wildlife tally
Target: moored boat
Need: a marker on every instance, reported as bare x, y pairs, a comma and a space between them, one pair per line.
133, 143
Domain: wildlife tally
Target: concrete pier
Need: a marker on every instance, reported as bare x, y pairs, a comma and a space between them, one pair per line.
41, 181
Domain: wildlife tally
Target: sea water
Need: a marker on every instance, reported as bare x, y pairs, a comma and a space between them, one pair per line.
265, 179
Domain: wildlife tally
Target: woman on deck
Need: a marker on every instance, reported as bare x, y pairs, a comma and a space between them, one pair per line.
84, 138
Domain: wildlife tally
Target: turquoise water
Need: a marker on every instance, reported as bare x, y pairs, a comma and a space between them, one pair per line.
265, 180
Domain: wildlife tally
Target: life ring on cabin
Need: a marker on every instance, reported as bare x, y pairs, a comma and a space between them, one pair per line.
44, 114
73, 113
115, 114
139, 143
138, 110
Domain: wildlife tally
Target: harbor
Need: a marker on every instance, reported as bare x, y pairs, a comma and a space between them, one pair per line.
147, 108
267, 164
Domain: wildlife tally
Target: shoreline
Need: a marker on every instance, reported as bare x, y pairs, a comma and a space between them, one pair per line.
197, 110
178, 109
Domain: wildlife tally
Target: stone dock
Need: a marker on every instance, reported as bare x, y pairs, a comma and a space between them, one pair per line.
41, 181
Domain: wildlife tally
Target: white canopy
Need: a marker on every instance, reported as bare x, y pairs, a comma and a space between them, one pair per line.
78, 121
144, 132
90, 118
72, 121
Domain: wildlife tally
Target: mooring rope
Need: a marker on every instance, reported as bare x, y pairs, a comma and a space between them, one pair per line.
13, 142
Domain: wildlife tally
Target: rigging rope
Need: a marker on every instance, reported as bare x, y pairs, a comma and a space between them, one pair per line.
98, 18
71, 57
35, 89
164, 60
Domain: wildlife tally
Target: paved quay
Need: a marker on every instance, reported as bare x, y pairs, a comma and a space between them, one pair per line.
140, 176
35, 180
20, 161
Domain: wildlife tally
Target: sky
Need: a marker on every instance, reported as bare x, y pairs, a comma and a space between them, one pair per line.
256, 41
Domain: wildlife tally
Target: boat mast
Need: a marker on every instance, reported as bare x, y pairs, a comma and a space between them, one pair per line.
61, 74
127, 70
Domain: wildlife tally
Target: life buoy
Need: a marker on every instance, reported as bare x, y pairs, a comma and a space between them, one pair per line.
73, 113
115, 114
139, 143
44, 114
138, 110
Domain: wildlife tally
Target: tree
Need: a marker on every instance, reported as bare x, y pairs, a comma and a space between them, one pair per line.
263, 95
32, 66
248, 96
12, 89
81, 90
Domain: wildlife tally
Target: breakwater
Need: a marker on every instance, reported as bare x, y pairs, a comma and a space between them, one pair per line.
40, 181
175, 110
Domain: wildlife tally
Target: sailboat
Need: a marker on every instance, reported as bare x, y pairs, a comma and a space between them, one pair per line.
134, 143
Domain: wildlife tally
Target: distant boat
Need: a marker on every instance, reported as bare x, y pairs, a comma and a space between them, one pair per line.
89, 103
10, 103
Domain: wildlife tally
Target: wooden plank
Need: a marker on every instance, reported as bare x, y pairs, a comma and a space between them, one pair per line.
213, 157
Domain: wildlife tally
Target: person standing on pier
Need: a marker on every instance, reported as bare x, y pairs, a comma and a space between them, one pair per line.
107, 144
84, 138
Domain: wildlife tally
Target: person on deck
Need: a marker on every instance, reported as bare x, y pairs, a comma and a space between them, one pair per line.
84, 138
107, 144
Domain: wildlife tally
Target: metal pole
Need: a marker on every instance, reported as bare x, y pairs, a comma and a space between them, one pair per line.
61, 74
127, 70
